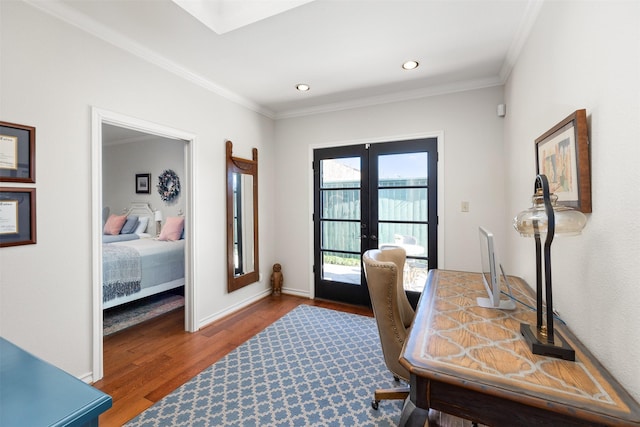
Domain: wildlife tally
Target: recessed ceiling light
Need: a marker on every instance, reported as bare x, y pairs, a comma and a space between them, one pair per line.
303, 87
410, 65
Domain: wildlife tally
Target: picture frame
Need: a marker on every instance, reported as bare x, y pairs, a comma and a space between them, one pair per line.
17, 153
143, 183
562, 154
17, 216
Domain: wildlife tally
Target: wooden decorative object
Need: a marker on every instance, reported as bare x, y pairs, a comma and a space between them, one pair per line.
242, 222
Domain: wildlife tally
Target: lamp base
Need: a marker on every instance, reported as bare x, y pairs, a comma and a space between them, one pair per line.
559, 348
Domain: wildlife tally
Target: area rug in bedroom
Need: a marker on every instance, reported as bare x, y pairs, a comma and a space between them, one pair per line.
313, 367
118, 318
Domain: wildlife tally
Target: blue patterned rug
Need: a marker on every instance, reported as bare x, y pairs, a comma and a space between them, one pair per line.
313, 367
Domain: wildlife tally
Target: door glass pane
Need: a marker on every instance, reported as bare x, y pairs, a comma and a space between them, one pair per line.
340, 173
403, 204
415, 274
403, 169
414, 239
340, 214
402, 196
340, 235
340, 204
339, 267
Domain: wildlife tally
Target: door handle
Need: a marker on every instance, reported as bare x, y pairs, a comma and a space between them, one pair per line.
374, 237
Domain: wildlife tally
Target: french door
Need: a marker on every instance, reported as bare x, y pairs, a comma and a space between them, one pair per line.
367, 196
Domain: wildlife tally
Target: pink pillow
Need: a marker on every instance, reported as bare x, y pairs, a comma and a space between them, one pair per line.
114, 224
172, 229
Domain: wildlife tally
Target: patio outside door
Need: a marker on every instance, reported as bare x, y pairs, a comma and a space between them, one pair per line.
367, 196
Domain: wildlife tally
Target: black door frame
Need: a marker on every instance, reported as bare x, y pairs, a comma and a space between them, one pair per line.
358, 294
338, 291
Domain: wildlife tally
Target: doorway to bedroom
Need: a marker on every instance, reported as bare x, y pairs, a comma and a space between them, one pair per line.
143, 266
142, 187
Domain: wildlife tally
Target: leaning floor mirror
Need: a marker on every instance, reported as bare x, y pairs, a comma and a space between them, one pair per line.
242, 220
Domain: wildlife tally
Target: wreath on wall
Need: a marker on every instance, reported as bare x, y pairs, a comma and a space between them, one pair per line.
168, 185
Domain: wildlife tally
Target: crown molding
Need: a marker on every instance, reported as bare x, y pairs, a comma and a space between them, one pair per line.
524, 29
394, 97
60, 11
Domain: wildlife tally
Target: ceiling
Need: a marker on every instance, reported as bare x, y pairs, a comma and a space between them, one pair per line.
349, 52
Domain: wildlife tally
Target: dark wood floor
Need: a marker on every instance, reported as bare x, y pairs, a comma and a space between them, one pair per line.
144, 363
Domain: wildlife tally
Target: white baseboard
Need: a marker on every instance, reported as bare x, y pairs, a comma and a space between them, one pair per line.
296, 292
87, 378
229, 310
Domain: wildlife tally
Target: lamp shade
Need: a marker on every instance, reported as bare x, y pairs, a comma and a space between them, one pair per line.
158, 215
568, 221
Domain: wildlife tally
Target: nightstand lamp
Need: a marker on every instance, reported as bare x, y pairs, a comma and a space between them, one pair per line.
158, 218
546, 217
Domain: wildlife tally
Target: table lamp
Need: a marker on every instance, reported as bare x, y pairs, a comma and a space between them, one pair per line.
546, 217
158, 218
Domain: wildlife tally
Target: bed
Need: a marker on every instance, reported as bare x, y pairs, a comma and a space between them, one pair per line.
137, 265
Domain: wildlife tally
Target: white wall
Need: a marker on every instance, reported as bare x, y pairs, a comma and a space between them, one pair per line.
473, 171
579, 55
121, 163
586, 55
50, 76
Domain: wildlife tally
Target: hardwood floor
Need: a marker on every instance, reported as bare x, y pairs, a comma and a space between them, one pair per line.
145, 363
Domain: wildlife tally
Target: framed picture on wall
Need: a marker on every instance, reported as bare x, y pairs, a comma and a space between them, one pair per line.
17, 153
143, 181
562, 154
17, 216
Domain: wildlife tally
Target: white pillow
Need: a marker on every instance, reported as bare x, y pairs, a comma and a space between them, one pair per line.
142, 224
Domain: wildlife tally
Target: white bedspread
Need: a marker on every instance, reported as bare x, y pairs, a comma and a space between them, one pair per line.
160, 261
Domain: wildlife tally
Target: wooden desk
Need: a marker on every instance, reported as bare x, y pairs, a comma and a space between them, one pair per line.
35, 393
473, 362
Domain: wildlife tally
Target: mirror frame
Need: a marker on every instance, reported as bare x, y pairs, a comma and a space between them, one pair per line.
247, 167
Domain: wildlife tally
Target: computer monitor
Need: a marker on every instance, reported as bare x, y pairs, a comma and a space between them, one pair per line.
490, 274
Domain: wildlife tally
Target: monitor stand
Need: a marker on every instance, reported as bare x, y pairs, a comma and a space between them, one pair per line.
505, 304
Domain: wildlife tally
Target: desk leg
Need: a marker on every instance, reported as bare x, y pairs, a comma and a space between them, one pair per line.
412, 416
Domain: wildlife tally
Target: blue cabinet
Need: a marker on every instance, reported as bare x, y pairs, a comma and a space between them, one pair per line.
35, 393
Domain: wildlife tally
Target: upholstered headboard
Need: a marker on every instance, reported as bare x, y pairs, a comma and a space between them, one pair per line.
141, 210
